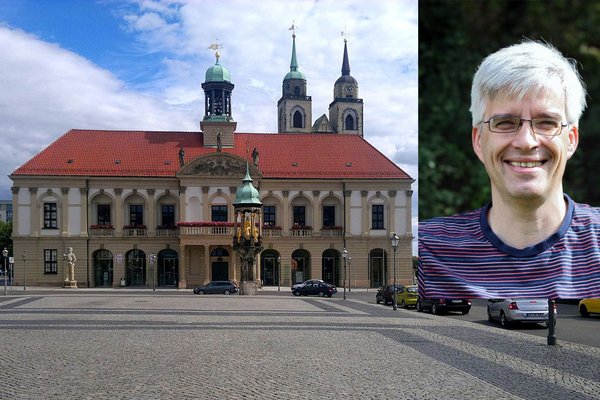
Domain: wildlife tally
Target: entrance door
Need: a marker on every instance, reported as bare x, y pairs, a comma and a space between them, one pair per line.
167, 272
103, 268
135, 268
269, 271
220, 271
329, 274
377, 269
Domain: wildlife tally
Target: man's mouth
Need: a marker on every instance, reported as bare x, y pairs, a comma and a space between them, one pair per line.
526, 164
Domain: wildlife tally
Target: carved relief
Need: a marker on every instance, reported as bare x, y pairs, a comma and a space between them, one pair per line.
218, 165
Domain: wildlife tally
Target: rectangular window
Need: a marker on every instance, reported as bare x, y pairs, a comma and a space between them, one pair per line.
50, 261
50, 216
9, 213
136, 215
219, 213
104, 214
168, 215
377, 216
300, 215
328, 216
269, 215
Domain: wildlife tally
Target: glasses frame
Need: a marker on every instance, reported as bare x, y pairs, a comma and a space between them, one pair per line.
521, 120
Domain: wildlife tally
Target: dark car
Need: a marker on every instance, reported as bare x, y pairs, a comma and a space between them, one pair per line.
315, 288
385, 294
297, 285
224, 287
440, 306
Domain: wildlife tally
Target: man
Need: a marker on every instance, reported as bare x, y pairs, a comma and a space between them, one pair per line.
532, 240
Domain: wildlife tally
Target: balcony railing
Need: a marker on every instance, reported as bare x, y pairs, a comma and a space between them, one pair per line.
135, 232
206, 230
271, 232
331, 232
96, 231
301, 232
167, 232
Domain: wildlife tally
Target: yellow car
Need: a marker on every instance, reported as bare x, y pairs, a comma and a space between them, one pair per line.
589, 306
407, 296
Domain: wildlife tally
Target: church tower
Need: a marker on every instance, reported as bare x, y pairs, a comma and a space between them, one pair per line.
346, 110
294, 108
217, 125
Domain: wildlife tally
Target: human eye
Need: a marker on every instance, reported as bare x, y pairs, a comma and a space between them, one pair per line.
504, 124
546, 123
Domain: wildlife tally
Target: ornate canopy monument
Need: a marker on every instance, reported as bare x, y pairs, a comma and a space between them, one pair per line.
247, 239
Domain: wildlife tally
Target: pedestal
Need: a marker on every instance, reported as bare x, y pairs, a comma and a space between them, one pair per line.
249, 288
70, 284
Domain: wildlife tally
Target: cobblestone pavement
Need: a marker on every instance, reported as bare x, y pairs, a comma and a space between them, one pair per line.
174, 345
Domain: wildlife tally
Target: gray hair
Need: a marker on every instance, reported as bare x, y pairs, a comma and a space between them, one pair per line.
527, 69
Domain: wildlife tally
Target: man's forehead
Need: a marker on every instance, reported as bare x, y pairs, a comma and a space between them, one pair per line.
539, 99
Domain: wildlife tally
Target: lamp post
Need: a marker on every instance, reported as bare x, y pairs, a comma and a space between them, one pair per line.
278, 273
394, 239
5, 256
152, 262
24, 256
349, 274
345, 257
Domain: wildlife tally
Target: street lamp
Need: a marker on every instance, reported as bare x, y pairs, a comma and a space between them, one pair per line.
278, 273
394, 239
5, 256
349, 274
152, 261
345, 257
24, 256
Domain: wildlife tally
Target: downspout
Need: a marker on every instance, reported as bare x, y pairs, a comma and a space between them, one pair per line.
344, 197
87, 228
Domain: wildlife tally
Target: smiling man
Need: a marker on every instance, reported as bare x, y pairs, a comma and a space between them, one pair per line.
532, 240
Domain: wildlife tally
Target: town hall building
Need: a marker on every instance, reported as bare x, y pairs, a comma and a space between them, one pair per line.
144, 208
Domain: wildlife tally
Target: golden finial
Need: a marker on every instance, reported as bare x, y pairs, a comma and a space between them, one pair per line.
216, 46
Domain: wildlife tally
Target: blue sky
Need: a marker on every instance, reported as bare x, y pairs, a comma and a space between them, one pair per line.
115, 64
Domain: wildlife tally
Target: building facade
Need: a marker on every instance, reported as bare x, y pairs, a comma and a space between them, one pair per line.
6, 210
144, 208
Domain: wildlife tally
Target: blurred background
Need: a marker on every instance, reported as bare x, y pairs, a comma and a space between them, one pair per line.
454, 37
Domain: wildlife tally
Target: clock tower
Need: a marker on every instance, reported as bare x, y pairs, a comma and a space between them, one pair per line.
346, 110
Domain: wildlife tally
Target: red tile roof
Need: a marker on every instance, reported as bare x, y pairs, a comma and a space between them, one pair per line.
155, 154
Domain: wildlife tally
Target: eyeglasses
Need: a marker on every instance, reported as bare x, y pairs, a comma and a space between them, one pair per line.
545, 126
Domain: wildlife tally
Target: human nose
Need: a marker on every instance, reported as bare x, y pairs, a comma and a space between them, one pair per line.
525, 137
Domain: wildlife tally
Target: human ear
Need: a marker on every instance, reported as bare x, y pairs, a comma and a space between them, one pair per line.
476, 141
573, 137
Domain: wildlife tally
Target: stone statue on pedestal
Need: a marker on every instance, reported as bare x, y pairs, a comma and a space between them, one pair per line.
70, 273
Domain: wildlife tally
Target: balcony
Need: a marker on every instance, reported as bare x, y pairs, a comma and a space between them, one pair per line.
137, 231
169, 232
332, 231
271, 232
102, 231
212, 228
301, 231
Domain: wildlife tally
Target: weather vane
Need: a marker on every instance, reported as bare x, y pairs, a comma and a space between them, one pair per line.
293, 28
345, 33
216, 46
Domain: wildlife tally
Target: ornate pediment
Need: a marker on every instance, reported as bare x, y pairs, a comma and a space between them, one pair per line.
218, 164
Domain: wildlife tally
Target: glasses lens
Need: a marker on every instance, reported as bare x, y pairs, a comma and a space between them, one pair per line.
504, 124
546, 126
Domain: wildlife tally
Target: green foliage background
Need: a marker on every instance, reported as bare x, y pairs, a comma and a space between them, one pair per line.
454, 37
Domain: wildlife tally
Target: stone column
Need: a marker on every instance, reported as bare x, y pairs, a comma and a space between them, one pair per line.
35, 212
183, 263
118, 212
207, 269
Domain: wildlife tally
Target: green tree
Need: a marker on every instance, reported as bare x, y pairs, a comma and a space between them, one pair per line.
454, 37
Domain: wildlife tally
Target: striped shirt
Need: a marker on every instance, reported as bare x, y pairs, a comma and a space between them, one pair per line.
460, 257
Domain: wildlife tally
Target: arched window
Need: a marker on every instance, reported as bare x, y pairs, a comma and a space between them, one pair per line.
296, 90
298, 120
349, 123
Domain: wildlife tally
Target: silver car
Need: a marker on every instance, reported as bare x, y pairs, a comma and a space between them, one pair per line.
509, 311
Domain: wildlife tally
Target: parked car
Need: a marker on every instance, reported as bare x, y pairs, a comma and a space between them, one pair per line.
440, 306
296, 285
212, 287
589, 306
407, 296
510, 311
315, 288
385, 294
